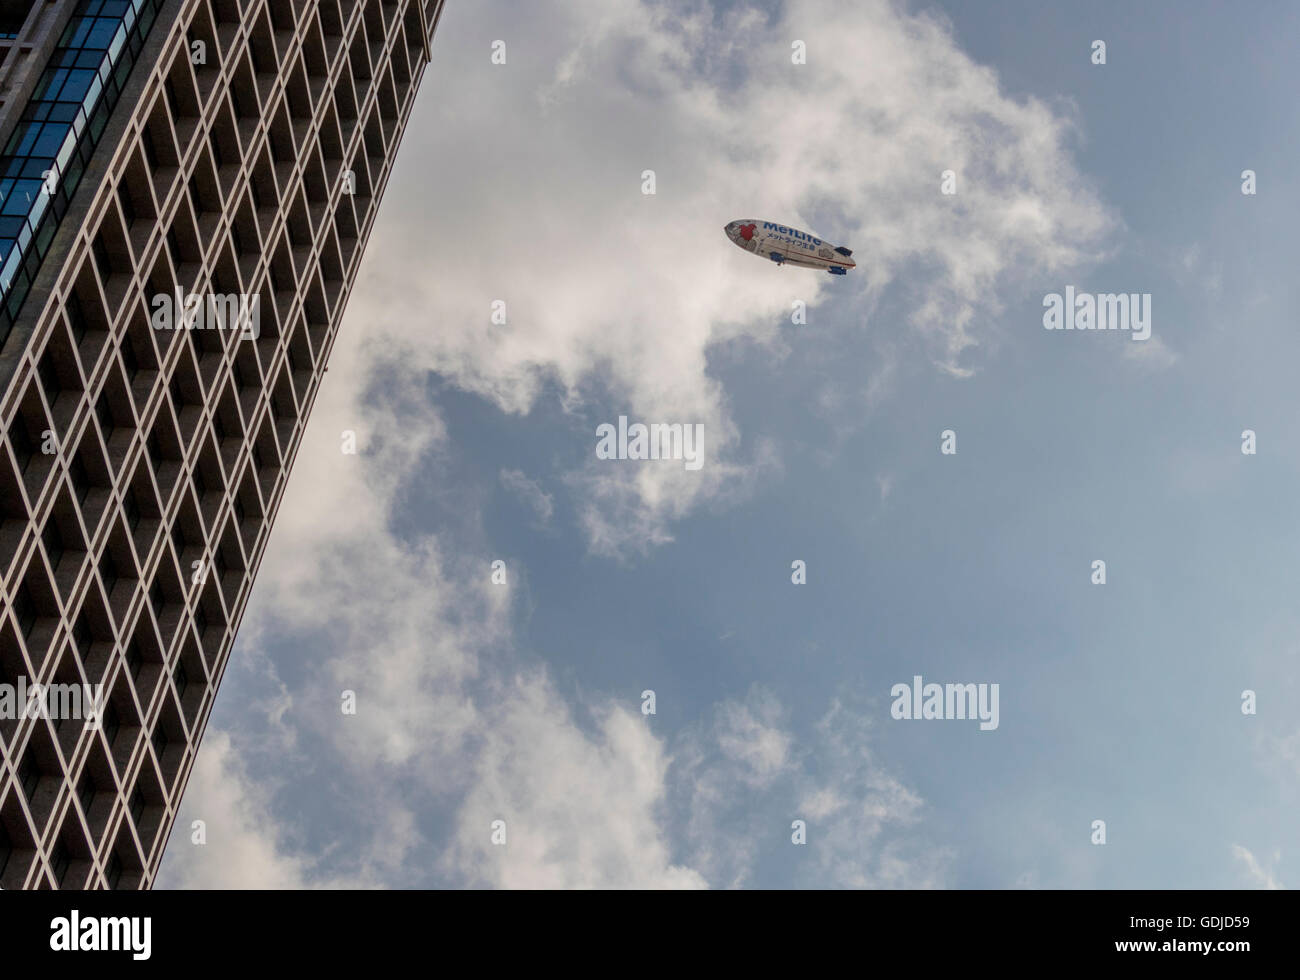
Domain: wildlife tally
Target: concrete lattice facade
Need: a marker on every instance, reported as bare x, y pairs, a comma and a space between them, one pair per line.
142, 468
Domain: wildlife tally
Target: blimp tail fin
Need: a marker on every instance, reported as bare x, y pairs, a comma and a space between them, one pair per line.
846, 252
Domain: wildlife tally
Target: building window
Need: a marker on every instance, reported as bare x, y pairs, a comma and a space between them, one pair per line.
105, 415
178, 396
112, 724
29, 775
82, 637
154, 445
131, 507
52, 538
174, 247
173, 103
25, 610
68, 110
80, 479
78, 318
59, 862
49, 380
150, 150
86, 792
128, 206
102, 262
130, 361
22, 445
134, 659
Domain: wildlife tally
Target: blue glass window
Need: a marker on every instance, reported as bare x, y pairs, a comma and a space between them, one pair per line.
57, 130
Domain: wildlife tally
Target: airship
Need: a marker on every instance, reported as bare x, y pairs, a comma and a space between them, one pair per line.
783, 244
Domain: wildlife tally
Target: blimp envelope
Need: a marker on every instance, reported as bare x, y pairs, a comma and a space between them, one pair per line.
782, 244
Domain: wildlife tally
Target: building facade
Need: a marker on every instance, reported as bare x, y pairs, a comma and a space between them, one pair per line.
186, 189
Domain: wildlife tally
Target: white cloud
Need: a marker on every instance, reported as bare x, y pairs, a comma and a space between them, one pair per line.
581, 811
861, 809
743, 780
1153, 353
751, 739
1259, 875
1192, 268
242, 849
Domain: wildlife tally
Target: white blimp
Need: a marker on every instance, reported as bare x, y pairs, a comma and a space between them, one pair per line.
782, 244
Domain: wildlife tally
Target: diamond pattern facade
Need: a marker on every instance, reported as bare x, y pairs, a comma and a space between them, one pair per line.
142, 467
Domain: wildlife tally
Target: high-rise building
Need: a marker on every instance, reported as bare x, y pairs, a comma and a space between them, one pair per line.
186, 188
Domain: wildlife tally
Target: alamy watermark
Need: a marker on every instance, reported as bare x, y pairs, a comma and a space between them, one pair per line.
945, 702
207, 311
654, 441
1099, 311
53, 702
102, 933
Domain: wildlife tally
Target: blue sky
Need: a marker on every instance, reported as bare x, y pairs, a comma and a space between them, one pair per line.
521, 702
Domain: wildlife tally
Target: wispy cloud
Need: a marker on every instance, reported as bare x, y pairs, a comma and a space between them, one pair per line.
1258, 874
744, 778
530, 492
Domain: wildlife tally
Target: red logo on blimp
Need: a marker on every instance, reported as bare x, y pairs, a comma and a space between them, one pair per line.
747, 231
